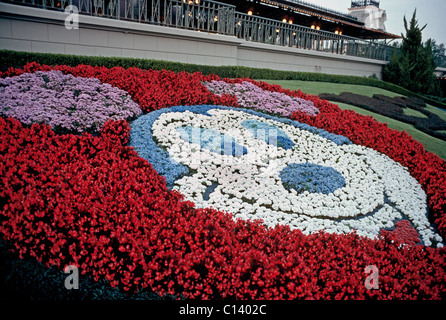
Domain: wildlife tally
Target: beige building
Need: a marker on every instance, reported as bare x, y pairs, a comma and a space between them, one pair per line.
368, 12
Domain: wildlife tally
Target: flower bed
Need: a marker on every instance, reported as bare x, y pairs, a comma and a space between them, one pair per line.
251, 96
66, 103
393, 107
96, 203
142, 139
375, 192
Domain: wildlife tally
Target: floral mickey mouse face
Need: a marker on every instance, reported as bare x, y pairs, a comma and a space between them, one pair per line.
258, 166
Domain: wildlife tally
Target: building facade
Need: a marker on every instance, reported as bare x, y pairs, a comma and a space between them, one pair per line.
285, 35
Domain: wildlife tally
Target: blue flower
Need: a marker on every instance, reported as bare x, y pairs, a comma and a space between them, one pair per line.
312, 178
142, 139
212, 140
268, 133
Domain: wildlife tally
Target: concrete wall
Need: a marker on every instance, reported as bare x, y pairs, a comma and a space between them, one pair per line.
36, 30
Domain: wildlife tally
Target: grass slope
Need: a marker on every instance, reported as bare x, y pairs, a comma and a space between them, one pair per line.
431, 144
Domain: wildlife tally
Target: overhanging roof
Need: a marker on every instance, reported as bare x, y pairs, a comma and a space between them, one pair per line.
307, 14
328, 17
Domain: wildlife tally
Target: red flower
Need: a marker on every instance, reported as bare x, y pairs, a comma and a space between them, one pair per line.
92, 202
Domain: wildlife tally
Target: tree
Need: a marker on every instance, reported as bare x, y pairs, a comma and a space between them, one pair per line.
439, 52
426, 76
413, 67
391, 72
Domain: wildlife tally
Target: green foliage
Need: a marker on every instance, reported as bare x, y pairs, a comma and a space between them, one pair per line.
395, 108
19, 59
391, 71
426, 75
439, 52
413, 68
412, 40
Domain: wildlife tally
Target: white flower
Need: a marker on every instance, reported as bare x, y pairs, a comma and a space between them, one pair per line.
377, 190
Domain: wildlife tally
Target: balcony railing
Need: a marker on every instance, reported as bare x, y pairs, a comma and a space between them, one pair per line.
210, 16
264, 30
216, 17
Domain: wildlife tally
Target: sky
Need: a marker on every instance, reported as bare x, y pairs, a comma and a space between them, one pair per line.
430, 12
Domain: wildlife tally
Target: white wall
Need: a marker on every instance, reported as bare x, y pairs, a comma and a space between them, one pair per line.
36, 30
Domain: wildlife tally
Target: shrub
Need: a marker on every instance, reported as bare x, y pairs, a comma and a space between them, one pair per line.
393, 108
16, 59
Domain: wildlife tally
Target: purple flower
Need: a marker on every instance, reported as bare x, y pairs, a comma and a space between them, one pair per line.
64, 102
251, 96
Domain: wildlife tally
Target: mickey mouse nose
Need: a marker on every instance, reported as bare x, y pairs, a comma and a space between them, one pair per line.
312, 178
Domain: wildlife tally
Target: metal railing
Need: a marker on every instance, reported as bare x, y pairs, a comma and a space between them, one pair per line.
209, 16
264, 30
216, 17
203, 15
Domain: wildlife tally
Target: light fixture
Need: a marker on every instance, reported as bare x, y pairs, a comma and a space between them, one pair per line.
290, 21
318, 28
284, 20
216, 18
313, 26
197, 1
249, 13
336, 32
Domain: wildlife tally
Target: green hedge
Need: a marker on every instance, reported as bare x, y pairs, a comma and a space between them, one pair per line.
18, 59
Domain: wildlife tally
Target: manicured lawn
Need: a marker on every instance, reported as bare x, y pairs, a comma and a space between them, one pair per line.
414, 113
431, 144
440, 112
316, 87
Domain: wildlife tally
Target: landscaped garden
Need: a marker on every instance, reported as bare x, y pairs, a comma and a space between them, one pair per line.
431, 142
205, 187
